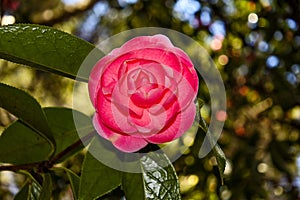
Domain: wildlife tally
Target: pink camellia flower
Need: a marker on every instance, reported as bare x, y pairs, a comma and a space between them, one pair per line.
143, 92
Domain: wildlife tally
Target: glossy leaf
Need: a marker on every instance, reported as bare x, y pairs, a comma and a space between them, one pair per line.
218, 152
19, 144
46, 190
23, 194
74, 181
30, 191
160, 178
30, 147
26, 108
64, 130
221, 160
97, 179
133, 186
34, 191
44, 48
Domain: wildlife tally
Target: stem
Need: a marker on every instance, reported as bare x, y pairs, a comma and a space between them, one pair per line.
16, 168
72, 147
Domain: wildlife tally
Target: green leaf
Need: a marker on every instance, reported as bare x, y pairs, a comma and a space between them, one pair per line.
19, 144
34, 191
31, 189
26, 108
218, 152
46, 191
97, 179
72, 177
221, 160
160, 178
28, 146
74, 181
133, 186
23, 194
64, 130
44, 48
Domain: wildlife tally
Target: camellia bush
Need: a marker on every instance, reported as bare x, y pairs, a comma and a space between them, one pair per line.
144, 94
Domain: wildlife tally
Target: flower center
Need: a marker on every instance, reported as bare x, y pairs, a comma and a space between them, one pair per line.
143, 88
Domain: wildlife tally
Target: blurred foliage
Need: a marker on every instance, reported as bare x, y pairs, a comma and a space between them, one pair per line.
255, 45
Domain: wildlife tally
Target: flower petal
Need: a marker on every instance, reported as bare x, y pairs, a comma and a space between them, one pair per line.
156, 41
182, 123
95, 77
114, 115
124, 143
129, 144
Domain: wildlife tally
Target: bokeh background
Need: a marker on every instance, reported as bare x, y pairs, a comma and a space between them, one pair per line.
255, 45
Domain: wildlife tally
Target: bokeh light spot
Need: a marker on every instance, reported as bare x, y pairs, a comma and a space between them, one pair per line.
185, 9
226, 194
278, 35
295, 68
294, 113
188, 140
73, 2
48, 14
263, 46
237, 43
8, 19
291, 24
223, 59
221, 115
291, 78
244, 90
243, 70
240, 131
252, 18
205, 17
124, 3
252, 38
216, 44
193, 180
265, 3
272, 61
278, 191
262, 168
189, 160
218, 28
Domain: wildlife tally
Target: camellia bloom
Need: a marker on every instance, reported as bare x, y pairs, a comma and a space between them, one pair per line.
143, 92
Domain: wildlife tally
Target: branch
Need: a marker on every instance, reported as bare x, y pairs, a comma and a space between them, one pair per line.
16, 168
84, 139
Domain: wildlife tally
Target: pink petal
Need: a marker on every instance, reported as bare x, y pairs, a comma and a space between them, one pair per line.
182, 123
162, 56
142, 59
95, 77
150, 124
129, 144
156, 41
124, 143
101, 129
185, 93
114, 116
189, 71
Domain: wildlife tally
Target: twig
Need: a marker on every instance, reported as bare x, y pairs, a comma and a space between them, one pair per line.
72, 147
16, 168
